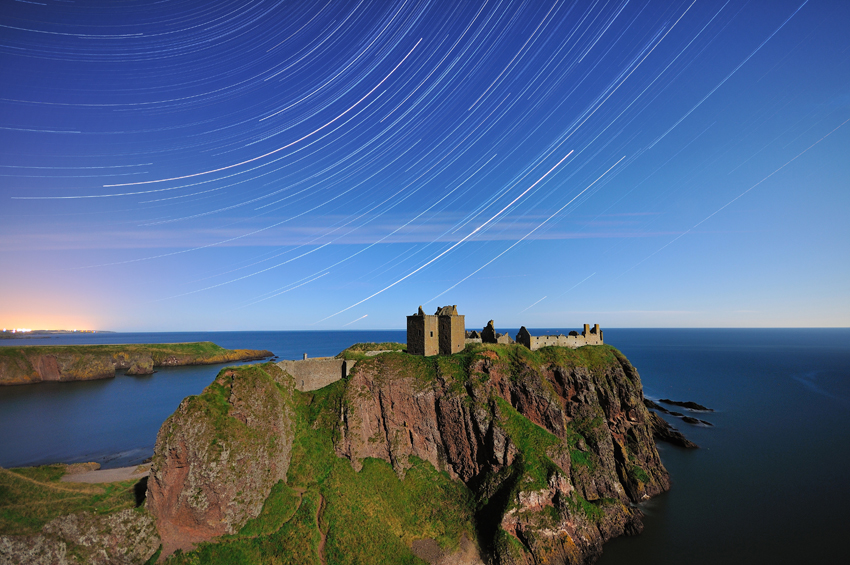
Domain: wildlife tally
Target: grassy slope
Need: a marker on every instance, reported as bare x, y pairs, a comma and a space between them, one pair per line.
200, 349
31, 497
366, 517
358, 350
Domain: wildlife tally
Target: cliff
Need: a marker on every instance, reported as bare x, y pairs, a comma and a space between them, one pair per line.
36, 363
219, 455
494, 455
555, 445
497, 454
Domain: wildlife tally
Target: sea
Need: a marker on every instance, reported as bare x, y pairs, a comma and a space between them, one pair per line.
770, 482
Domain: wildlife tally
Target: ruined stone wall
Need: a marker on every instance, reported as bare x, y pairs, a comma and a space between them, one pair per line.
573, 340
593, 336
313, 374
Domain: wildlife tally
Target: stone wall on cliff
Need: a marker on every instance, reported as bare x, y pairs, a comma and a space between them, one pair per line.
313, 374
557, 443
218, 456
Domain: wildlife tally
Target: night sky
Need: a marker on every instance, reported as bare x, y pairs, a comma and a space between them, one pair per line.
260, 165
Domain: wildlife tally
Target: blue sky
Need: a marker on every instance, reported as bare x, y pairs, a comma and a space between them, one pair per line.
320, 165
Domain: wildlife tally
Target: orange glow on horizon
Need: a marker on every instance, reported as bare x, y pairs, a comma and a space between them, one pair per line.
49, 322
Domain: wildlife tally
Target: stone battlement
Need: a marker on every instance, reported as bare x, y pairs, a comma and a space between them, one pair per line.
588, 336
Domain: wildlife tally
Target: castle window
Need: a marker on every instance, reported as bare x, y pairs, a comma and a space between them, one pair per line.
432, 334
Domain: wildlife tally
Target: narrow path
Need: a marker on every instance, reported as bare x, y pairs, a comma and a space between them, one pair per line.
324, 537
117, 475
80, 490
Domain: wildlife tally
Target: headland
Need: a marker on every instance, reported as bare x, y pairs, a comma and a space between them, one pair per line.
36, 363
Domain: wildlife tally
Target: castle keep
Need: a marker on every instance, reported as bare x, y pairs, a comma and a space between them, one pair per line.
444, 333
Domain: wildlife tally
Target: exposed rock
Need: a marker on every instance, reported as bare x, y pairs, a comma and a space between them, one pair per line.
127, 537
218, 456
665, 432
696, 421
429, 551
654, 406
560, 493
143, 365
687, 404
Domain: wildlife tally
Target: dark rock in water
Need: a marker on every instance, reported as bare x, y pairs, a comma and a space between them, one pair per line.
677, 414
654, 406
696, 421
665, 432
689, 405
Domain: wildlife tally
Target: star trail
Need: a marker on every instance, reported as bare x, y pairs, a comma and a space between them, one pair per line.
271, 165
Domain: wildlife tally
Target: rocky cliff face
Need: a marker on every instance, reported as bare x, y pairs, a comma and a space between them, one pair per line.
218, 456
33, 364
556, 444
127, 537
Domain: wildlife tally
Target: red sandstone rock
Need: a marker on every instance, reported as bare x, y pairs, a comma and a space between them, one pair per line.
393, 412
218, 456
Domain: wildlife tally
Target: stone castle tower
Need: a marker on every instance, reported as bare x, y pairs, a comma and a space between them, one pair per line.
441, 334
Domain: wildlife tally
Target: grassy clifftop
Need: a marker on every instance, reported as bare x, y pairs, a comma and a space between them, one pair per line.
496, 454
37, 363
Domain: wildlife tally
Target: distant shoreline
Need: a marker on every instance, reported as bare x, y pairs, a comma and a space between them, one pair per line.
41, 334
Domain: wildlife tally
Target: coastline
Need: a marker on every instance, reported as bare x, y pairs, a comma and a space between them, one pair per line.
33, 364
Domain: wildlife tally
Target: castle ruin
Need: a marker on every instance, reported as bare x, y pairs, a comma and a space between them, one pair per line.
588, 336
443, 333
489, 335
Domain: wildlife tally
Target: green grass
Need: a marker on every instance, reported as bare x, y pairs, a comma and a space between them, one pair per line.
588, 431
594, 512
293, 541
358, 350
533, 442
369, 517
201, 348
31, 497
280, 506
